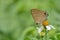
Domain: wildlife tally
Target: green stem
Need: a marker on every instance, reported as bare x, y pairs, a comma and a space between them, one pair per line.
45, 33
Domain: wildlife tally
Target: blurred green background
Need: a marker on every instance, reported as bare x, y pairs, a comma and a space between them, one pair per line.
16, 22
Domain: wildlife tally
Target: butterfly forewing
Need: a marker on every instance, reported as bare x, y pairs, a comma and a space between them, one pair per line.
39, 16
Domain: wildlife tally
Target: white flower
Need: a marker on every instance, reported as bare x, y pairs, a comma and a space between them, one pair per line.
48, 27
40, 29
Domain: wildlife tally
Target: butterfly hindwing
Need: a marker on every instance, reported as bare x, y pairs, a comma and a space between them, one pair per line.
38, 15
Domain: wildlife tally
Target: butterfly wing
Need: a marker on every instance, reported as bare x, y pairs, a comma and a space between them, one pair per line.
39, 16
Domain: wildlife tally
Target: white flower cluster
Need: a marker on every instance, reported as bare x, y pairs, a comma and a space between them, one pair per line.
48, 27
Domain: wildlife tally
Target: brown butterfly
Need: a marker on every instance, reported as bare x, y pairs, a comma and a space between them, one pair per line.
39, 16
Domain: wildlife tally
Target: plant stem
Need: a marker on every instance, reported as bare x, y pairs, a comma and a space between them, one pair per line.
45, 33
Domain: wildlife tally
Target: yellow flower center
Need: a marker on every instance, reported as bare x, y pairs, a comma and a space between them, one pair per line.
42, 34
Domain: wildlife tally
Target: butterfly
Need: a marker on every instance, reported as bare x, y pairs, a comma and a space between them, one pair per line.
39, 16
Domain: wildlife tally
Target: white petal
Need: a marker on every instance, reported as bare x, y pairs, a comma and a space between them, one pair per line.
52, 26
48, 27
40, 29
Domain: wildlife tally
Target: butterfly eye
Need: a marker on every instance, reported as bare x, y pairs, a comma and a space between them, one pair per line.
46, 14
